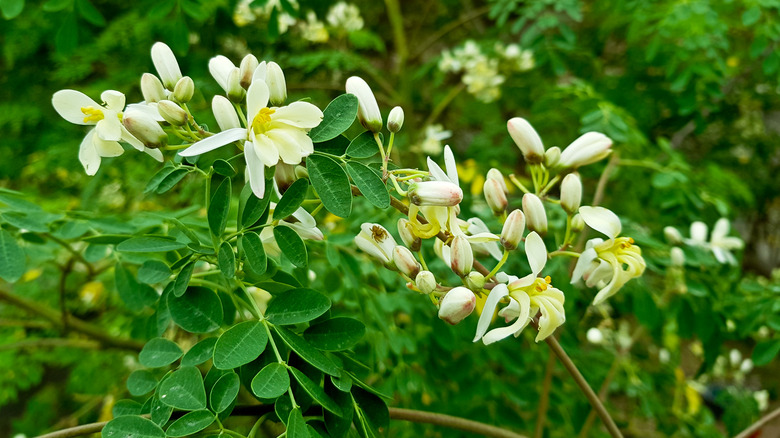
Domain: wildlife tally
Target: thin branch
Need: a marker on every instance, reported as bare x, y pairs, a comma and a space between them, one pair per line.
70, 249
84, 429
66, 270
97, 333
763, 421
544, 401
52, 343
602, 396
447, 29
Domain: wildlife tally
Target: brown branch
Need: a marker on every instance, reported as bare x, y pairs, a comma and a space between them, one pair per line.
544, 401
763, 421
52, 343
447, 29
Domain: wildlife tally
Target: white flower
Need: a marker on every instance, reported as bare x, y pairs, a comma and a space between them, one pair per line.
481, 239
301, 222
166, 65
345, 16
368, 109
721, 244
594, 335
457, 305
102, 141
376, 241
314, 30
438, 217
274, 134
434, 135
588, 148
526, 138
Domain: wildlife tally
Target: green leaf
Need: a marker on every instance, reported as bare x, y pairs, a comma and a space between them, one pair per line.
337, 118
171, 180
199, 311
55, 6
140, 382
158, 177
254, 253
271, 382
195, 10
307, 352
183, 389
331, 183
130, 426
292, 199
28, 221
297, 306
369, 183
291, 245
11, 8
251, 207
159, 352
199, 353
223, 168
106, 239
90, 13
134, 294
751, 16
67, 38
374, 409
160, 413
183, 279
363, 146
315, 391
126, 407
161, 9
241, 344
226, 260
219, 208
153, 271
296, 425
335, 334
190, 423
336, 146
149, 244
224, 392
12, 258
765, 351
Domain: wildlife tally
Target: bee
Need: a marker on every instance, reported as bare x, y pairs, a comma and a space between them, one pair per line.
378, 233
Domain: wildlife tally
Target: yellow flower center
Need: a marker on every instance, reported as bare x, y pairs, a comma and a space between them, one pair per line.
92, 114
261, 120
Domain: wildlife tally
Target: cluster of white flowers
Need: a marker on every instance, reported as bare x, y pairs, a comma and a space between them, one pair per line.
245, 13
720, 243
483, 75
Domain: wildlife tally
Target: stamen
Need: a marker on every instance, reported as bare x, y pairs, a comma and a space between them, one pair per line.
262, 118
92, 114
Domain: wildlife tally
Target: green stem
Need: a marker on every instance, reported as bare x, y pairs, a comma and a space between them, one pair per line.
498, 266
563, 253
444, 103
278, 358
202, 282
550, 185
382, 154
241, 115
518, 184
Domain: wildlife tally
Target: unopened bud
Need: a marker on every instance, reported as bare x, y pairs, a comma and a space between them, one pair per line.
496, 174
301, 172
577, 223
235, 92
225, 113
284, 176
151, 88
435, 193
512, 232
678, 257
588, 148
184, 90
405, 262
495, 196
457, 305
673, 235
475, 280
425, 282
145, 129
526, 138
261, 297
277, 87
248, 66
571, 193
368, 109
406, 231
461, 256
552, 157
165, 62
172, 112
376, 241
535, 216
395, 120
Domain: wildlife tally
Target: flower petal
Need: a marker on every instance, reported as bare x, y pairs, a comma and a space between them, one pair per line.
298, 114
522, 320
266, 150
88, 154
601, 220
128, 138
110, 128
260, 72
536, 252
583, 264
154, 153
256, 99
215, 141
107, 148
436, 173
288, 142
498, 292
449, 164
150, 109
114, 100
220, 68
255, 169
68, 104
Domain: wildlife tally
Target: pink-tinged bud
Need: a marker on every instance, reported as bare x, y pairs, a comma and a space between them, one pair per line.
184, 90
571, 193
406, 231
277, 86
589, 148
552, 157
425, 282
405, 262
461, 256
247, 68
435, 194
496, 174
225, 113
457, 305
151, 88
284, 176
395, 120
165, 62
526, 139
495, 196
145, 129
368, 109
475, 280
376, 241
172, 112
512, 232
235, 92
535, 216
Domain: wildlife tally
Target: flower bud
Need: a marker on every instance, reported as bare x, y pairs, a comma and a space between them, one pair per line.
284, 176
588, 148
145, 129
405, 262
435, 193
512, 232
406, 232
475, 280
247, 68
376, 241
151, 88
425, 282
368, 109
552, 157
577, 223
457, 305
526, 139
495, 196
172, 113
301, 172
184, 90
277, 87
395, 120
165, 62
678, 257
535, 216
224, 113
673, 235
235, 92
261, 297
571, 193
496, 174
594, 336
461, 256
